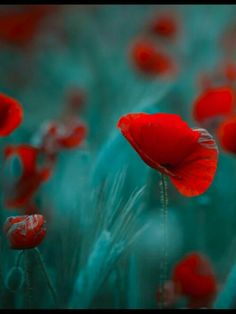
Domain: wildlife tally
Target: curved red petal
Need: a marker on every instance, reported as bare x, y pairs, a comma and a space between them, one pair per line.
166, 143
27, 154
227, 134
214, 102
74, 138
162, 140
11, 115
196, 172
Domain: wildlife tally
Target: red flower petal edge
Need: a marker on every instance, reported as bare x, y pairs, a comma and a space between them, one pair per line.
11, 114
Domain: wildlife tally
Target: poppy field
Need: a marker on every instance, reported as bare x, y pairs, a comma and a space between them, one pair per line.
117, 156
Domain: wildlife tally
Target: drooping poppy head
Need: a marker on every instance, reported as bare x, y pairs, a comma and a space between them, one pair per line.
165, 25
11, 114
25, 232
166, 143
213, 103
194, 278
226, 134
149, 60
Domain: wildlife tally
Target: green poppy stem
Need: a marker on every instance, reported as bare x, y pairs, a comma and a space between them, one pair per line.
164, 221
47, 278
18, 259
28, 276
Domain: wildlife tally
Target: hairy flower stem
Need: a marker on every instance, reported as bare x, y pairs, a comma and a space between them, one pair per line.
47, 278
164, 217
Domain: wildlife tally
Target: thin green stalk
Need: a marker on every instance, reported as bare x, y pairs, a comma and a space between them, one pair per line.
164, 221
47, 278
28, 277
18, 259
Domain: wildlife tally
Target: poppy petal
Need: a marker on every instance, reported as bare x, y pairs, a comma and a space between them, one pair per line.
195, 174
27, 154
11, 115
194, 276
74, 138
25, 232
226, 134
214, 102
158, 138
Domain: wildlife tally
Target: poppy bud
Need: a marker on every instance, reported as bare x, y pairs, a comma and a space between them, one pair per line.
24, 232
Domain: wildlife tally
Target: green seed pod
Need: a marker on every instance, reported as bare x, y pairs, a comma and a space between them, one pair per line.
15, 279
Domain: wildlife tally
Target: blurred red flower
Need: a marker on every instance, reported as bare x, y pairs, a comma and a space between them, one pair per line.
19, 25
194, 278
226, 133
214, 103
165, 25
58, 135
150, 60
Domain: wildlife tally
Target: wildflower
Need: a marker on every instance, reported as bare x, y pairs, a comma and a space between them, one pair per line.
150, 60
165, 26
11, 114
213, 103
194, 278
166, 143
25, 232
19, 194
59, 136
226, 133
230, 71
19, 27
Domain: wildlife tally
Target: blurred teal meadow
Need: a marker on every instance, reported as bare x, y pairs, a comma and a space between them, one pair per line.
117, 137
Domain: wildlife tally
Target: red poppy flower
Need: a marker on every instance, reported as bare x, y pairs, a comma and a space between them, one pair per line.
20, 26
25, 232
149, 60
11, 115
165, 25
194, 278
214, 103
226, 133
20, 193
230, 71
166, 143
63, 136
